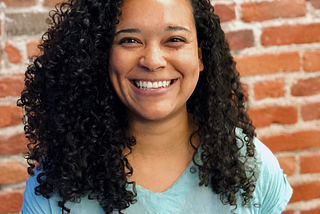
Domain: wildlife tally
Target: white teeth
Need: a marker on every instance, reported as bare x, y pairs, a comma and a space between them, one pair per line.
148, 85
144, 85
164, 83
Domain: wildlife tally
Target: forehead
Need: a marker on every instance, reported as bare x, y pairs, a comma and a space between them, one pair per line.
157, 11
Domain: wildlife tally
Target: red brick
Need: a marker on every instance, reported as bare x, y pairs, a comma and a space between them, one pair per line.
310, 111
10, 115
293, 141
287, 34
309, 164
316, 4
262, 117
288, 164
226, 12
306, 87
240, 39
311, 61
305, 191
269, 88
287, 212
52, 3
268, 63
11, 202
32, 49
13, 53
14, 145
11, 85
12, 172
19, 3
260, 11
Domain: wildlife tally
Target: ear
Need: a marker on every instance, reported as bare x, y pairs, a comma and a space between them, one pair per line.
201, 66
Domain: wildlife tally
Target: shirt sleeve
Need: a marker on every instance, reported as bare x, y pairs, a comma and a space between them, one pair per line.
273, 189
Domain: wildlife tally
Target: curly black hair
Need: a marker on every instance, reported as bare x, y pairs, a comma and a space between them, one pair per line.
75, 121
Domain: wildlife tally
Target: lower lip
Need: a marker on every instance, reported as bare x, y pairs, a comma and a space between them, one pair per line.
152, 92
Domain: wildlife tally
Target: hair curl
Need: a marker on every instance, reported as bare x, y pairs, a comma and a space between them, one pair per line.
75, 122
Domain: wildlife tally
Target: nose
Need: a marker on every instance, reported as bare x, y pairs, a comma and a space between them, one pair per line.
152, 58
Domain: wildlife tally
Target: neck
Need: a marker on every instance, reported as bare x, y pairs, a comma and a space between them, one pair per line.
162, 137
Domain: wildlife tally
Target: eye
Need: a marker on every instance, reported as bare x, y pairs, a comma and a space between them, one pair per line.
129, 41
176, 39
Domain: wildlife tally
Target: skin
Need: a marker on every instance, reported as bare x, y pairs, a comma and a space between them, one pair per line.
156, 40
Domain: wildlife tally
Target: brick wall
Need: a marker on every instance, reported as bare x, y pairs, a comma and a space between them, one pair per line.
276, 44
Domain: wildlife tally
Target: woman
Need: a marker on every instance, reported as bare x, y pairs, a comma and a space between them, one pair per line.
136, 107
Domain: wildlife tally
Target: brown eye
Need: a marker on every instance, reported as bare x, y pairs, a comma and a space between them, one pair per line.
129, 40
176, 40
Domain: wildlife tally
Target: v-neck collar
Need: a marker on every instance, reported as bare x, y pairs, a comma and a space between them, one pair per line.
173, 187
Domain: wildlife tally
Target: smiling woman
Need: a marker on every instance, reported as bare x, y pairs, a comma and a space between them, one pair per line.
135, 107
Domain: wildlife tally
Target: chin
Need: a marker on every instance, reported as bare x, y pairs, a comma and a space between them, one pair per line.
152, 115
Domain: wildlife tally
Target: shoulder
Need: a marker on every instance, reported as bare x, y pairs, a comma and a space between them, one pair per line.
273, 191
37, 204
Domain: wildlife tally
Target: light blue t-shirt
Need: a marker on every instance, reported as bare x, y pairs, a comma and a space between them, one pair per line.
185, 196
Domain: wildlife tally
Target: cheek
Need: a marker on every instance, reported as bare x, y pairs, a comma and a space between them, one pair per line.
117, 71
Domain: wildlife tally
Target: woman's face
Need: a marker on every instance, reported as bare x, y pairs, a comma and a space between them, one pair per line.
155, 60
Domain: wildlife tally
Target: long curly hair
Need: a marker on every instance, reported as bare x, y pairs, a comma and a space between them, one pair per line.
75, 122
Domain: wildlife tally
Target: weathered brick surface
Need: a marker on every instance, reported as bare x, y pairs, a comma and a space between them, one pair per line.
11, 202
240, 39
306, 191
270, 88
291, 34
10, 115
52, 3
288, 164
268, 63
309, 163
226, 12
11, 85
293, 141
262, 117
311, 61
13, 145
24, 24
12, 172
265, 10
306, 87
310, 111
19, 3
13, 53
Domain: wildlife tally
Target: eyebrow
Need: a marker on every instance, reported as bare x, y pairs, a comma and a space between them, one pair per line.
129, 30
136, 30
176, 28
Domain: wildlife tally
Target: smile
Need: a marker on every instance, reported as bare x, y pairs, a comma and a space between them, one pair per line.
150, 85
